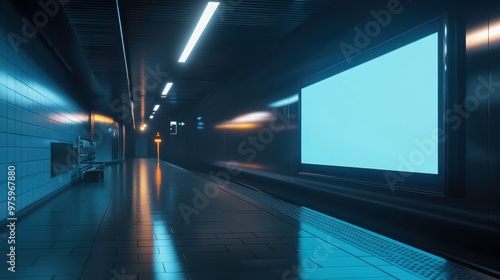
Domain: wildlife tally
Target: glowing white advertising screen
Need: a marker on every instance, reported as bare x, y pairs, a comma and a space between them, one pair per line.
382, 114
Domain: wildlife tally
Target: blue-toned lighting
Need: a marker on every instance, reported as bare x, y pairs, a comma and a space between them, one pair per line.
382, 114
166, 90
157, 106
284, 102
205, 18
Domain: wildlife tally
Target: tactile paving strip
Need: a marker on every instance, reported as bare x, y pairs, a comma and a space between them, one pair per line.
415, 261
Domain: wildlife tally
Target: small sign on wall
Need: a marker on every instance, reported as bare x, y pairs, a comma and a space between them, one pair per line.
173, 127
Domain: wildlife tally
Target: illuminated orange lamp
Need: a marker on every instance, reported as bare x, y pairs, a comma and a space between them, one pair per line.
157, 138
158, 141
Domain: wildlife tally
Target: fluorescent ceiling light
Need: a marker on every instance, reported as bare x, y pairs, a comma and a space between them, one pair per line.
166, 89
156, 107
151, 116
205, 18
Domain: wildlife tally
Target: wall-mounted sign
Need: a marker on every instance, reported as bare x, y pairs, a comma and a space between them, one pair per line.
173, 127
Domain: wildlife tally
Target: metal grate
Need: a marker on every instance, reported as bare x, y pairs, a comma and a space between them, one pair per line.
413, 260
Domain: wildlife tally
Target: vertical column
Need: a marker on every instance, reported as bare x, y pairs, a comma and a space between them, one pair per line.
473, 109
494, 124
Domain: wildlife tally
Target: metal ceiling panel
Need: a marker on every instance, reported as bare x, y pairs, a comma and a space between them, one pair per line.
155, 33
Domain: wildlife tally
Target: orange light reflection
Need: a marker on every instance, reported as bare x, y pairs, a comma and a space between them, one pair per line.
103, 119
483, 36
250, 165
241, 164
158, 181
248, 121
237, 126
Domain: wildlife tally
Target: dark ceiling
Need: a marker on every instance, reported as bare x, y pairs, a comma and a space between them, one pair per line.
155, 33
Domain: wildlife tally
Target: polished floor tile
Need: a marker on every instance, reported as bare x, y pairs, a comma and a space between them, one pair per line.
156, 221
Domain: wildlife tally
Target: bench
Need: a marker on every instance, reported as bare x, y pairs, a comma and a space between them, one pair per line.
94, 173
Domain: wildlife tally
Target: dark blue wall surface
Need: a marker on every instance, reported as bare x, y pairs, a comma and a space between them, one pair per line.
494, 124
39, 104
470, 220
45, 97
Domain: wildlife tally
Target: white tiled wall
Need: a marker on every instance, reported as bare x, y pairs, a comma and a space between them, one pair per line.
35, 110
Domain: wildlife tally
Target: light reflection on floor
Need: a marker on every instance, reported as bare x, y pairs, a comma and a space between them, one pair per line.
129, 227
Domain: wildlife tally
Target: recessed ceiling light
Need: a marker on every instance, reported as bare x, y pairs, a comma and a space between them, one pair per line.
151, 116
156, 107
166, 89
205, 18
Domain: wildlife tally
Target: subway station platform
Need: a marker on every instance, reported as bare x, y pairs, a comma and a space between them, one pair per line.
149, 220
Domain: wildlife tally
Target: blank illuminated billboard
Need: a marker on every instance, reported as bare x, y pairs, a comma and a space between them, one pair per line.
382, 114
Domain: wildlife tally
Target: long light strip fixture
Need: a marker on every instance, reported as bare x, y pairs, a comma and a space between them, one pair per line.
166, 89
205, 18
156, 107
